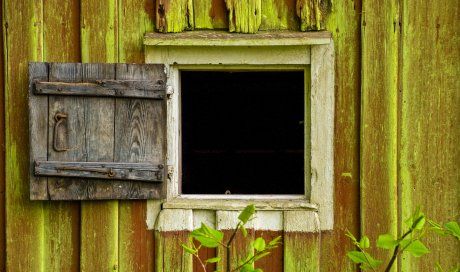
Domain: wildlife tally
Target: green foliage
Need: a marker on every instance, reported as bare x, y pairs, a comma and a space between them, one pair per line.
409, 242
212, 238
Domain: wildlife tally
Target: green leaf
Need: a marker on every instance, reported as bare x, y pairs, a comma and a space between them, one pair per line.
247, 268
261, 255
247, 213
417, 220
416, 248
189, 249
453, 228
213, 260
275, 242
351, 236
386, 241
363, 258
259, 244
244, 230
364, 242
258, 270
207, 236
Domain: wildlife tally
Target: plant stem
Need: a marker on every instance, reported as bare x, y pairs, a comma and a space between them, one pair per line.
201, 262
396, 251
229, 243
365, 256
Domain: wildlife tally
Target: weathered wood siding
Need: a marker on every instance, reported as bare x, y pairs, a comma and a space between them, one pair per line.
397, 126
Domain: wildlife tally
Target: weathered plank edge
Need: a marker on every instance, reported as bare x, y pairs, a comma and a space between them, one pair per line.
322, 132
38, 130
222, 38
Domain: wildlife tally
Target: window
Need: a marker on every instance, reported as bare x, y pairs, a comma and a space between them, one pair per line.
244, 129
214, 120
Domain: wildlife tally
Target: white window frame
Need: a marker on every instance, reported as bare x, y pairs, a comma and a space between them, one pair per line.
310, 52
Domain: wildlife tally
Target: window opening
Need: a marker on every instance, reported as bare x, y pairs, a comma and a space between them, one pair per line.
243, 132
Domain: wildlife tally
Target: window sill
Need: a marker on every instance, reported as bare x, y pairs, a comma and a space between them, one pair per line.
238, 202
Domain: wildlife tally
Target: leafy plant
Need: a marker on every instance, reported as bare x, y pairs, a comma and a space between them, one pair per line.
410, 242
212, 238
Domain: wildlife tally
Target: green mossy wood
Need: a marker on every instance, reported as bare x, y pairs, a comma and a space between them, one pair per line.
247, 16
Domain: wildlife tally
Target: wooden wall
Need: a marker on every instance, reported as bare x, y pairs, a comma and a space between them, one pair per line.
397, 126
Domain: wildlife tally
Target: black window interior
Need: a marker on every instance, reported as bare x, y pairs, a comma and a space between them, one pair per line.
242, 132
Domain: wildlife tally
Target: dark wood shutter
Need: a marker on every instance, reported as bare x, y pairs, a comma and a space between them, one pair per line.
97, 131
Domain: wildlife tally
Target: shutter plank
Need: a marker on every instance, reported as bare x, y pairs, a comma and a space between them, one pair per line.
72, 131
38, 123
137, 122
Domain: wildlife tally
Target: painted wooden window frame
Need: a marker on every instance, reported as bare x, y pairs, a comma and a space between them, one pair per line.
312, 52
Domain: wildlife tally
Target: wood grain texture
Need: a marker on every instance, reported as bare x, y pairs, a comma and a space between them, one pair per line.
174, 16
136, 242
279, 15
313, 13
172, 229
24, 219
61, 42
99, 221
244, 16
379, 108
240, 248
275, 261
429, 122
210, 14
302, 241
2, 153
344, 23
38, 121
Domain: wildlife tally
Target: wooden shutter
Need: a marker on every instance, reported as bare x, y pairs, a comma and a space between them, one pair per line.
97, 131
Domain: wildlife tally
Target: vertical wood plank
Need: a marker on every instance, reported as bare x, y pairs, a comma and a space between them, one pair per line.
210, 14
24, 229
279, 15
63, 219
207, 217
2, 151
38, 107
99, 221
136, 242
171, 230
135, 121
302, 240
174, 16
344, 23
379, 93
269, 225
61, 41
244, 16
430, 124
241, 246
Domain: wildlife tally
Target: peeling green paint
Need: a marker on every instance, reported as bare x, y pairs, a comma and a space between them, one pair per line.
244, 16
175, 15
313, 13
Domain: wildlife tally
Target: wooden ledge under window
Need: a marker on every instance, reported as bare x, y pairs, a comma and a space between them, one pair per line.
224, 38
238, 202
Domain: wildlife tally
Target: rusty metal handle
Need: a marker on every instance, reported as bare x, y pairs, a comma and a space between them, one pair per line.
59, 117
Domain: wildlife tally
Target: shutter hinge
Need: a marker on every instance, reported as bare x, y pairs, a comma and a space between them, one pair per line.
169, 91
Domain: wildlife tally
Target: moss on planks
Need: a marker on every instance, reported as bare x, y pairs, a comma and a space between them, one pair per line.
244, 16
379, 120
313, 13
174, 15
23, 42
429, 122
